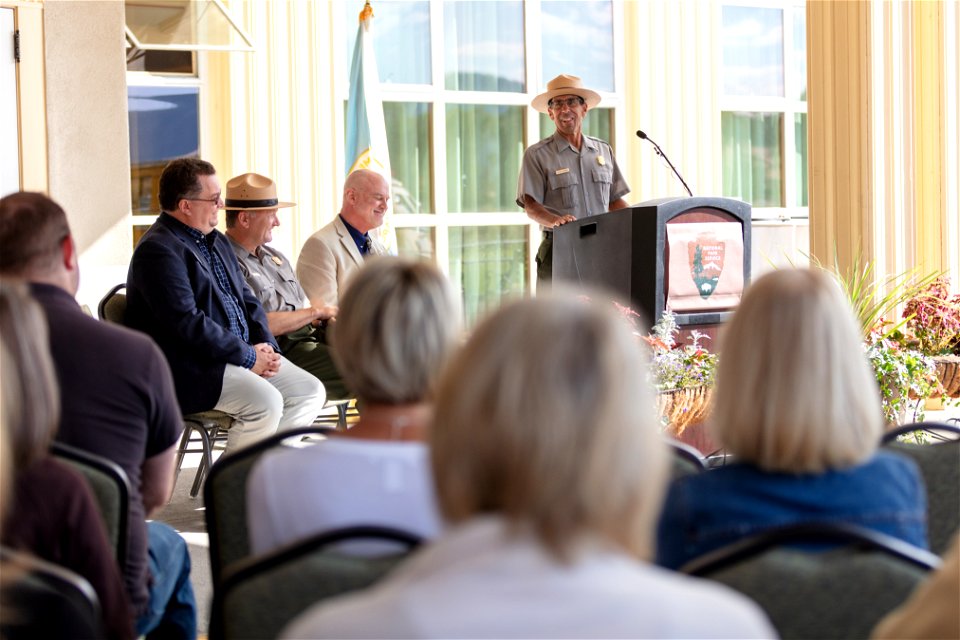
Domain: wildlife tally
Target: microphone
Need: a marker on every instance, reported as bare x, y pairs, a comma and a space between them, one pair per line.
656, 147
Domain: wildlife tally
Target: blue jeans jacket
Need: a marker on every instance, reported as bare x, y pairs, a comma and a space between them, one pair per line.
706, 511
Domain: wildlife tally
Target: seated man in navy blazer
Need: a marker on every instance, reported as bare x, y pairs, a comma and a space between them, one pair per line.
185, 289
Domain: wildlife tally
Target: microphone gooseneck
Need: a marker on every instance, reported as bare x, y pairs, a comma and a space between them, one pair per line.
656, 147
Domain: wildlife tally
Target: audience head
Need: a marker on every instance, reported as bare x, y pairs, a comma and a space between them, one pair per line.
546, 418
190, 192
795, 392
31, 399
36, 241
365, 197
398, 323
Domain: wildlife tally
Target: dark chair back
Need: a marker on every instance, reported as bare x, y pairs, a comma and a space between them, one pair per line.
685, 460
113, 306
939, 463
110, 487
820, 581
43, 600
260, 596
225, 499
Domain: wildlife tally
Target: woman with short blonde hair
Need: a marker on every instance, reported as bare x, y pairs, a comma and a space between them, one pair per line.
798, 407
794, 389
398, 324
549, 469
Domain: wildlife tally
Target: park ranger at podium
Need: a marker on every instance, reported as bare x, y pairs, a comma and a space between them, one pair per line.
568, 175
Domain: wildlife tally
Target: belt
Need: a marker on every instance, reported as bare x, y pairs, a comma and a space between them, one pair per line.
547, 234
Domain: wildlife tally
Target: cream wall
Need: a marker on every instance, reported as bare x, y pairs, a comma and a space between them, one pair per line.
276, 111
87, 143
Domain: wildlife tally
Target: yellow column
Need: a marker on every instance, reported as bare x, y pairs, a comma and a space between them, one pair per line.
930, 201
839, 106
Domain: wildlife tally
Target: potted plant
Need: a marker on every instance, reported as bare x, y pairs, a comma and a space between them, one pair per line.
933, 328
683, 374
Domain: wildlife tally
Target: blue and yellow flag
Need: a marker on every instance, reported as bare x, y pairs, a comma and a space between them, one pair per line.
366, 133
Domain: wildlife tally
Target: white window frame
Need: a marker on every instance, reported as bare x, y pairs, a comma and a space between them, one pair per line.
787, 106
438, 97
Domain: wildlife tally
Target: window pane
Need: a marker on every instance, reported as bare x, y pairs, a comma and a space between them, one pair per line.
397, 26
800, 131
596, 124
484, 46
484, 148
488, 264
752, 51
800, 53
163, 126
752, 169
583, 26
408, 137
418, 243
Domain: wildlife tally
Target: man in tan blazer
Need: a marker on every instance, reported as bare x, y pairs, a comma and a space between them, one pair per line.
331, 255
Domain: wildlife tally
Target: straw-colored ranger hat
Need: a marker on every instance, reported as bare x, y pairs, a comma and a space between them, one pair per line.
565, 85
253, 192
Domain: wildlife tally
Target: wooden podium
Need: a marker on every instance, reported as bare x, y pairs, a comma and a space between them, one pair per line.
629, 253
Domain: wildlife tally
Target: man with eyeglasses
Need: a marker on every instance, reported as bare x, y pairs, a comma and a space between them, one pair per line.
185, 290
569, 175
334, 253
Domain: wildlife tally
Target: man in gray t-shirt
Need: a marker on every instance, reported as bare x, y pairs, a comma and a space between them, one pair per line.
252, 205
569, 175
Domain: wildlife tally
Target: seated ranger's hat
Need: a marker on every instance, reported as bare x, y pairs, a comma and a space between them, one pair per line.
565, 85
253, 192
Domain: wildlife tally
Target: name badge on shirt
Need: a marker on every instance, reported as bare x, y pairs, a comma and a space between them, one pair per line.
277, 260
561, 171
601, 161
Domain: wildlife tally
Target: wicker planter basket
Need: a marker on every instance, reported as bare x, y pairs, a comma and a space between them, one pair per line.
948, 371
684, 407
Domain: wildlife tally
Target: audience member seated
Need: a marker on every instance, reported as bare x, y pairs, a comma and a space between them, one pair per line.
53, 514
116, 400
549, 471
931, 612
185, 290
798, 407
397, 325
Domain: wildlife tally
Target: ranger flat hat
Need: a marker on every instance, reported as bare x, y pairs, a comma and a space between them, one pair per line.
565, 85
253, 192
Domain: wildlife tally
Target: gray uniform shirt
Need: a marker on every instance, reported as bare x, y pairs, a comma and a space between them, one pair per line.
579, 182
271, 278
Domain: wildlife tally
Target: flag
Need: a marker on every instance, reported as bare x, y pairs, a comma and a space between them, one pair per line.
366, 132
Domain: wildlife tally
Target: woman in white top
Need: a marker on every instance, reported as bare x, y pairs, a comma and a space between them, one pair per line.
397, 325
550, 471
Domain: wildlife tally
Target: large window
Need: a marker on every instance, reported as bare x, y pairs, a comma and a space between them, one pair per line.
163, 103
456, 107
764, 109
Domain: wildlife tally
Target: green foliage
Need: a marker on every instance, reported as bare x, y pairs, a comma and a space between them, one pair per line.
679, 366
874, 299
902, 375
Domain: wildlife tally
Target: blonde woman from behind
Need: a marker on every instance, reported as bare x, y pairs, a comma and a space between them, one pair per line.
798, 407
549, 470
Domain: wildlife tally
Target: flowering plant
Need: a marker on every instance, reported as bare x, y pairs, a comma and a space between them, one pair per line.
677, 366
933, 319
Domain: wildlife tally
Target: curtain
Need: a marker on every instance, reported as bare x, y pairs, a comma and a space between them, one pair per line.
484, 46
752, 167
